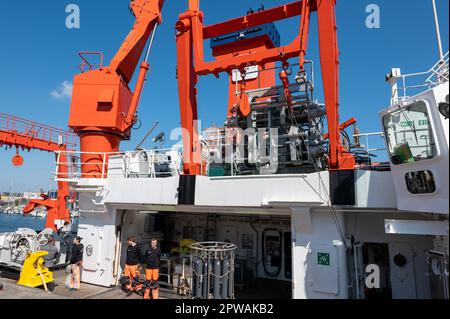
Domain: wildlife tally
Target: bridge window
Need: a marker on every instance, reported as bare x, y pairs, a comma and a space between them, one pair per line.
409, 134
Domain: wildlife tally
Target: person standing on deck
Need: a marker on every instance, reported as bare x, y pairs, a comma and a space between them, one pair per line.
65, 234
131, 274
76, 262
152, 260
53, 253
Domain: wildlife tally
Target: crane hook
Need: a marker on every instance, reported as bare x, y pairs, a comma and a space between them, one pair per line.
17, 160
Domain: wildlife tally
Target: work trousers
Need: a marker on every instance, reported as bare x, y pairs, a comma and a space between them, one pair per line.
151, 275
132, 272
75, 278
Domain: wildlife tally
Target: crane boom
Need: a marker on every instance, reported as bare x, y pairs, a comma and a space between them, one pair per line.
127, 57
103, 108
28, 135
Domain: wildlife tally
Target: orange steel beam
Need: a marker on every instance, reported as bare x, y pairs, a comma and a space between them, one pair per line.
256, 19
304, 31
187, 92
343, 126
147, 13
339, 159
272, 55
26, 142
193, 19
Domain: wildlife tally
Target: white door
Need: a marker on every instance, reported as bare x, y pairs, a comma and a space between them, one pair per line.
92, 244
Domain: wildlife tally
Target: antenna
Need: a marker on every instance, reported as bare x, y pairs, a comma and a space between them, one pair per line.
438, 30
146, 136
161, 138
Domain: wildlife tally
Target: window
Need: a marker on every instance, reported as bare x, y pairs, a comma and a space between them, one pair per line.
420, 182
409, 134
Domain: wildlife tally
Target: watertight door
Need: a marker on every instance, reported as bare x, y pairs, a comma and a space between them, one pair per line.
91, 238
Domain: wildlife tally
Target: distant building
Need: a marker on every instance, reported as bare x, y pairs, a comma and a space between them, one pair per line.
16, 198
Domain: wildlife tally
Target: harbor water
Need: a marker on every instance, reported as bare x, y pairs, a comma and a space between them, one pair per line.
10, 223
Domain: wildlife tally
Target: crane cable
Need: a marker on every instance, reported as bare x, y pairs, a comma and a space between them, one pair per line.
329, 204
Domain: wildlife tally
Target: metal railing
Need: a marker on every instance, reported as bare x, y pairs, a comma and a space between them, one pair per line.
35, 130
161, 163
132, 164
366, 137
438, 74
86, 64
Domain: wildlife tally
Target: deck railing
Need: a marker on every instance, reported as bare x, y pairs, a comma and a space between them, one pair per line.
407, 85
35, 130
133, 164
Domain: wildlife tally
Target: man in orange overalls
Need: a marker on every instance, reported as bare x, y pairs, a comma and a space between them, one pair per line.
131, 275
152, 259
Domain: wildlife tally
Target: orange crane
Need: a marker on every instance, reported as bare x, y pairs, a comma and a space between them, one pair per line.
27, 135
104, 108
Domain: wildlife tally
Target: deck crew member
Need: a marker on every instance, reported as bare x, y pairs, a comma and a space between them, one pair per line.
131, 273
53, 253
66, 236
76, 263
152, 260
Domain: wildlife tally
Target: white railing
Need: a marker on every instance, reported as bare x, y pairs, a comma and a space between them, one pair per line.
146, 163
438, 74
132, 164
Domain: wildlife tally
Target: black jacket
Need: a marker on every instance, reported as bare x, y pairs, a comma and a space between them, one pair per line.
133, 256
152, 258
77, 254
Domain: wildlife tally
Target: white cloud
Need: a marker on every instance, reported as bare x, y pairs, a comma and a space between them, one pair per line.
63, 91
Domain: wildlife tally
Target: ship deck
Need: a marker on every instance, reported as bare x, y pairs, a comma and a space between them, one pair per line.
11, 290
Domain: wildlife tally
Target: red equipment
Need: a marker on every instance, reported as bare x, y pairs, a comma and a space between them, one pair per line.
28, 135
104, 109
191, 34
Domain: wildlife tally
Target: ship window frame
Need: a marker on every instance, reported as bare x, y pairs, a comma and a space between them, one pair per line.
422, 175
393, 150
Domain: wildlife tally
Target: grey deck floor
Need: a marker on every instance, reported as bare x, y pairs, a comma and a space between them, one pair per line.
13, 291
258, 289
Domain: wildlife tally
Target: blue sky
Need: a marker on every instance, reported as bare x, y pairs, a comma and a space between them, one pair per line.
39, 53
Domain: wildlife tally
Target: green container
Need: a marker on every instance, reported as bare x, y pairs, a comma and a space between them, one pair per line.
216, 171
403, 152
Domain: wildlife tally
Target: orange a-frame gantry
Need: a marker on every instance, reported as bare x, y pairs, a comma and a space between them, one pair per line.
191, 34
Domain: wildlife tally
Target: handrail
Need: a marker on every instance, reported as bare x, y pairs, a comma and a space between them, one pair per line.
366, 136
75, 165
85, 62
36, 130
436, 75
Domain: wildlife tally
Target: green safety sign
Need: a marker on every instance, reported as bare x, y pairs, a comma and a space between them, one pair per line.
405, 124
323, 259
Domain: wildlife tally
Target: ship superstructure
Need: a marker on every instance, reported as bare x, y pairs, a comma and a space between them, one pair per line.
295, 198
299, 204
